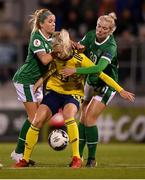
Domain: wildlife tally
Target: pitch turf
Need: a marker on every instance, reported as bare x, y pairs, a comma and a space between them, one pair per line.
115, 161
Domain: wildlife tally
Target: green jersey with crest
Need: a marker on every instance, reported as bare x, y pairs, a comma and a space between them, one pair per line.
107, 50
33, 68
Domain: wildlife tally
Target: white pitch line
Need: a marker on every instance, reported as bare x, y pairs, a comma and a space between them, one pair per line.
110, 166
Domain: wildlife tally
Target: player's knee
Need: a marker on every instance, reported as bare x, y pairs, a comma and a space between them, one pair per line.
38, 123
90, 121
40, 119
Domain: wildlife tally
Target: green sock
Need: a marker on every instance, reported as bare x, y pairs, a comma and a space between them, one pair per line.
92, 140
82, 138
22, 136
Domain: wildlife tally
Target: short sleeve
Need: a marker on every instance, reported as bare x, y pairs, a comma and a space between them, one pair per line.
36, 44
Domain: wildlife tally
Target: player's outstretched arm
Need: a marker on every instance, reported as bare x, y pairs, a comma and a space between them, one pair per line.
123, 93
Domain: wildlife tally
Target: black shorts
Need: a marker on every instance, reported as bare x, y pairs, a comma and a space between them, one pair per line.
55, 101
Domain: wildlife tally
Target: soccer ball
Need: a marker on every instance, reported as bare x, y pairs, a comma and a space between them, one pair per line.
58, 139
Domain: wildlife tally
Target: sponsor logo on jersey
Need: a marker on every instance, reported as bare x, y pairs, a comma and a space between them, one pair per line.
46, 46
37, 42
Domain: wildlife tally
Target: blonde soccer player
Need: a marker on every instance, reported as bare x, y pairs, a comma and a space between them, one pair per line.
100, 46
38, 61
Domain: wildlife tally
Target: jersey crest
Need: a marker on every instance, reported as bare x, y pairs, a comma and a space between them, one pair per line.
37, 42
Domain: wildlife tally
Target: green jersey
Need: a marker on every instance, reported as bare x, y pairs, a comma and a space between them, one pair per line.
33, 68
105, 51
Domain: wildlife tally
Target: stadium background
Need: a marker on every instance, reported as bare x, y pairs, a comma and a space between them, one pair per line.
122, 121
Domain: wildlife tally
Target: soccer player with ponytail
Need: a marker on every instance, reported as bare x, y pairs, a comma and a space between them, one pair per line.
39, 60
101, 48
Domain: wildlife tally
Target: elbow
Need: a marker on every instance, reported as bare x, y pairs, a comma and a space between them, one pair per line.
45, 63
97, 73
46, 59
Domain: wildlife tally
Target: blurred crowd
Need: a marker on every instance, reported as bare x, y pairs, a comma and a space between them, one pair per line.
78, 16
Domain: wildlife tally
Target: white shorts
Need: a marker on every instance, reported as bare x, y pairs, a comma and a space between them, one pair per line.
25, 93
103, 94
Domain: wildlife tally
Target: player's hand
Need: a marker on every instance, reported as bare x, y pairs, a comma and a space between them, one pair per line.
68, 71
78, 46
127, 95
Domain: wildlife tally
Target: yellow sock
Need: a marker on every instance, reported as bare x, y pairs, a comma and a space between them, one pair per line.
31, 140
72, 130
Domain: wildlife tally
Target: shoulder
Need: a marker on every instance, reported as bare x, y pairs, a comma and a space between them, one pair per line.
81, 57
89, 37
36, 35
78, 56
91, 33
36, 39
111, 44
112, 41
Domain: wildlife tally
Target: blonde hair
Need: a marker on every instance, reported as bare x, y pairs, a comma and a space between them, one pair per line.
61, 44
111, 17
38, 17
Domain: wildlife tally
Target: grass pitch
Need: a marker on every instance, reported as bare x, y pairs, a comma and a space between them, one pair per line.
115, 161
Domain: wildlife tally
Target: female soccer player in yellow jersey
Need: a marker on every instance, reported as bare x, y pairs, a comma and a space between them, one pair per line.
65, 93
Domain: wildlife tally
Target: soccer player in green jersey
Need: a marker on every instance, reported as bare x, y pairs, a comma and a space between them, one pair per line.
37, 63
101, 48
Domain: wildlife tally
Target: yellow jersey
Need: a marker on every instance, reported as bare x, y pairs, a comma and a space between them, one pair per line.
71, 85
